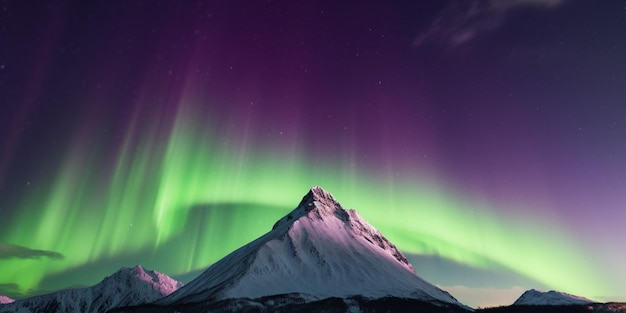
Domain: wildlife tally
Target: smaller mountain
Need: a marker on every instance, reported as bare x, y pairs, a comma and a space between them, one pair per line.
126, 287
5, 299
537, 297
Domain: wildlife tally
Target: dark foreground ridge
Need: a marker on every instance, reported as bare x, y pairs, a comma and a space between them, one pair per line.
611, 307
296, 304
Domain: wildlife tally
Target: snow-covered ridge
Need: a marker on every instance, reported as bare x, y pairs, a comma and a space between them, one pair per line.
538, 297
126, 287
160, 283
5, 299
319, 250
325, 204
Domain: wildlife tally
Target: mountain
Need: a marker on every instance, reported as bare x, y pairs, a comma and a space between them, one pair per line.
535, 301
318, 251
5, 299
537, 297
126, 287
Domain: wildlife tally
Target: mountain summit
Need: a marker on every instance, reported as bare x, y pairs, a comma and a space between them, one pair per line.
318, 251
537, 297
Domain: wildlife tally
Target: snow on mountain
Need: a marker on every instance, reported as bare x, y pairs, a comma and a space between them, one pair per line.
5, 299
126, 287
537, 297
319, 250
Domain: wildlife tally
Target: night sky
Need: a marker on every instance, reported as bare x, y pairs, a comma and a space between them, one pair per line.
486, 139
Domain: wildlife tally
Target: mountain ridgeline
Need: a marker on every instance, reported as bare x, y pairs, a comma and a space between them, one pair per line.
318, 258
126, 287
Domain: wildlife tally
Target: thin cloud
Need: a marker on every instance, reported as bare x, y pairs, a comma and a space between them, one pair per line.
11, 290
512, 4
16, 292
462, 21
9, 251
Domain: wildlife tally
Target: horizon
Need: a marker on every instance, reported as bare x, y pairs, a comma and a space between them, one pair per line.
485, 139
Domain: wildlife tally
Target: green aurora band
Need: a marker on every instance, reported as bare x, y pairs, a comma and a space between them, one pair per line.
201, 196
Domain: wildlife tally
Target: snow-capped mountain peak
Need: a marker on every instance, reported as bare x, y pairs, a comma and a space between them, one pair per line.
318, 202
5, 299
538, 297
159, 282
319, 250
126, 287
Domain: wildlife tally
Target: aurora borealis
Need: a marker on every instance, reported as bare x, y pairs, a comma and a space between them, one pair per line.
484, 138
